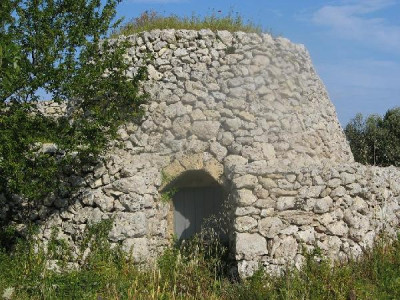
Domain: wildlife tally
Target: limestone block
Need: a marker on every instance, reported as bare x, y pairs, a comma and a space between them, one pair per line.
192, 162
334, 182
311, 191
268, 151
174, 169
205, 130
285, 248
137, 247
331, 245
268, 183
104, 202
355, 189
339, 228
188, 98
245, 224
347, 178
245, 197
285, 203
340, 191
297, 217
265, 203
289, 230
233, 162
323, 205
168, 35
253, 152
135, 184
214, 168
225, 36
250, 246
180, 126
359, 205
306, 235
245, 181
153, 73
132, 202
218, 150
232, 124
247, 210
128, 225
261, 60
247, 268
175, 110
180, 52
270, 226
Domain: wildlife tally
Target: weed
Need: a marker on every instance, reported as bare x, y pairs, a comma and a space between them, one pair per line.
193, 269
167, 195
150, 20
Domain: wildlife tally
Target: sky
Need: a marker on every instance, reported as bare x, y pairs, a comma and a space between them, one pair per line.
354, 44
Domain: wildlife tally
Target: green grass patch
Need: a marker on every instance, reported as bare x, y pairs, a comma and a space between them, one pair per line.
150, 20
193, 270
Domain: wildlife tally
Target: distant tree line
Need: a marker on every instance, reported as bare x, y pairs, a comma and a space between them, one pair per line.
375, 140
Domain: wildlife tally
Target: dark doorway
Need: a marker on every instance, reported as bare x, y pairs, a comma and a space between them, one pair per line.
194, 208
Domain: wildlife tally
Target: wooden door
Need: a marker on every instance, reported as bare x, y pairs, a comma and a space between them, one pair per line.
192, 206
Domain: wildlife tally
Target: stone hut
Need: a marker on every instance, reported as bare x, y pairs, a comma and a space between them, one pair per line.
237, 118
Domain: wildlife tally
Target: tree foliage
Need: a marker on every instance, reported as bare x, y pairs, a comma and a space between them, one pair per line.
59, 48
376, 140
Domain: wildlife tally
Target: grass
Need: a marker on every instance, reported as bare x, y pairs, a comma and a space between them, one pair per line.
150, 20
195, 270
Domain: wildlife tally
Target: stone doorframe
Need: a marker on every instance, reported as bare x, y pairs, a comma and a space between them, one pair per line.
182, 173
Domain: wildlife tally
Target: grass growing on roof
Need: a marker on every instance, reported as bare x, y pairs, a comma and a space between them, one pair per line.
150, 20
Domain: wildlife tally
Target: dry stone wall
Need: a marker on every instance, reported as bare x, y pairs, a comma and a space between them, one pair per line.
250, 111
341, 210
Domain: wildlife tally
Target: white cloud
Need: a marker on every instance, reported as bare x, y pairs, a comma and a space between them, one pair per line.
350, 20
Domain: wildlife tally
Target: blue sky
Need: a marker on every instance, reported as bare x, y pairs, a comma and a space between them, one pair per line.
354, 44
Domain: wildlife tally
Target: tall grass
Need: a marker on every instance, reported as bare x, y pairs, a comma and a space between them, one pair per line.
193, 270
150, 20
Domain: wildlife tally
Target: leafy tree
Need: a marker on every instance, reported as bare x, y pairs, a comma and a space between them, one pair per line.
59, 47
376, 140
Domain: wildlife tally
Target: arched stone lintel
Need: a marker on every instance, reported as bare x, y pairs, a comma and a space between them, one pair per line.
187, 164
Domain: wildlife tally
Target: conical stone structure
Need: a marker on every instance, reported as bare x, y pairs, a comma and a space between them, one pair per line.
248, 114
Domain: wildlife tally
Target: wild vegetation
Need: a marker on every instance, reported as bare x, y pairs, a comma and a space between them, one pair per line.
375, 140
150, 20
59, 49
52, 47
193, 270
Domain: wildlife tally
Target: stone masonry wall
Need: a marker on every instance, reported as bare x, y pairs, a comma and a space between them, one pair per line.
339, 209
241, 107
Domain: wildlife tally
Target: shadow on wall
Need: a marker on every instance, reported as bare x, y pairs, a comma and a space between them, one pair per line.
199, 205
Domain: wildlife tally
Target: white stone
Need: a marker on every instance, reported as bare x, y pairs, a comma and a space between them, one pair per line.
138, 248
245, 223
250, 246
307, 235
128, 225
245, 197
245, 181
323, 205
285, 248
338, 228
205, 130
284, 203
270, 226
